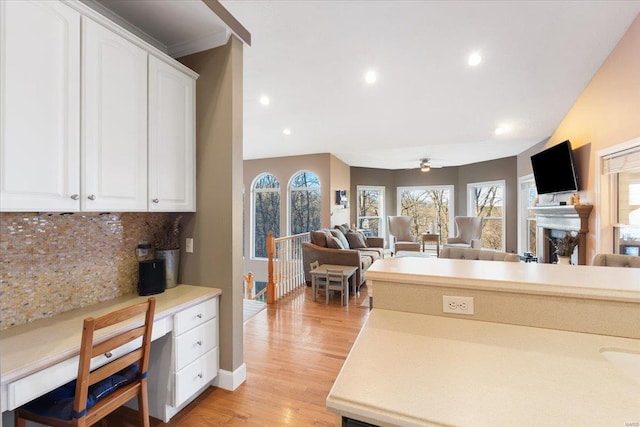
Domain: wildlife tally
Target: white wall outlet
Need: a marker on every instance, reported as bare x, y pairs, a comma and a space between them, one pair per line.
457, 305
189, 245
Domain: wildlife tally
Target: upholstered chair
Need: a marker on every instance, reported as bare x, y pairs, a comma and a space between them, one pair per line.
616, 260
469, 232
400, 233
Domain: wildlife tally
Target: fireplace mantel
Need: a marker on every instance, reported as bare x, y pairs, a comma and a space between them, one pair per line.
567, 218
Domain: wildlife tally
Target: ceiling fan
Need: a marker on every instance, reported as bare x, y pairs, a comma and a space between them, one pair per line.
426, 165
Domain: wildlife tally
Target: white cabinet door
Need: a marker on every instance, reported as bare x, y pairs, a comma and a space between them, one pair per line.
114, 128
39, 106
171, 138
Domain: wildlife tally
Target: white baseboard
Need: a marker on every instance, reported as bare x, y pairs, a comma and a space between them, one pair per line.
231, 380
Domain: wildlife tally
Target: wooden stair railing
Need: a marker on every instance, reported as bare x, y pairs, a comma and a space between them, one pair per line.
285, 265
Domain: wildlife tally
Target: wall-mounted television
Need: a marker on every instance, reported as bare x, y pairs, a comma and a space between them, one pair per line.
554, 169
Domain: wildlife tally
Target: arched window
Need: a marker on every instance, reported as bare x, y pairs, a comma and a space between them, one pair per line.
304, 202
265, 193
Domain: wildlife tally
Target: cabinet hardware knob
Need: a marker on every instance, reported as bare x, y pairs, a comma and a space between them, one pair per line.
199, 316
91, 197
199, 375
156, 200
199, 342
108, 354
75, 197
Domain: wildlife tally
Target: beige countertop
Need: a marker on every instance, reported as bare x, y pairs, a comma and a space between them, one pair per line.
45, 342
609, 283
410, 369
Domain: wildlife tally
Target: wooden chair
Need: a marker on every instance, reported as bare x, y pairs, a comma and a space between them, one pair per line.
335, 282
97, 393
320, 283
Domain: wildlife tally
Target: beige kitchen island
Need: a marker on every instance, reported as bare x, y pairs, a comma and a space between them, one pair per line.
412, 366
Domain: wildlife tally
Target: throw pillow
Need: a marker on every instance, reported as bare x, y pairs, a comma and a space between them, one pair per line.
342, 228
318, 238
356, 240
338, 235
334, 243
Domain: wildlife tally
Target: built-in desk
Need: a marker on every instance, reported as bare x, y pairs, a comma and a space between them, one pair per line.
39, 356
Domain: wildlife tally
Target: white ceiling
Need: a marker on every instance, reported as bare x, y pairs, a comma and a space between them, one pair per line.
309, 57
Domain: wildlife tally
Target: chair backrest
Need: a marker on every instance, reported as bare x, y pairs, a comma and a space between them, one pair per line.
334, 277
400, 228
90, 349
469, 227
616, 260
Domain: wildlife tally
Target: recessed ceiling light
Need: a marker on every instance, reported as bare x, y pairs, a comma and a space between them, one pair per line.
370, 77
286, 131
264, 100
474, 59
502, 129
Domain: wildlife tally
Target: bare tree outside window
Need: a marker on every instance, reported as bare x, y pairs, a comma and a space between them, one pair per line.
371, 210
305, 198
487, 201
427, 205
266, 196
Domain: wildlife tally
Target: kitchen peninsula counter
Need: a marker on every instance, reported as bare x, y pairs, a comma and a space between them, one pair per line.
409, 369
599, 300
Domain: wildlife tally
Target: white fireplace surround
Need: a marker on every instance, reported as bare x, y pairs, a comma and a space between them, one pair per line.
566, 218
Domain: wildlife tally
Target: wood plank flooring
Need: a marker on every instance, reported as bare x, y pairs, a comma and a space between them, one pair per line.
293, 351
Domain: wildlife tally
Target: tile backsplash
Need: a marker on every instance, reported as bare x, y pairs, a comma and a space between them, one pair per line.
52, 263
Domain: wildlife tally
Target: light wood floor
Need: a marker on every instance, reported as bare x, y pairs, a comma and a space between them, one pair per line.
293, 351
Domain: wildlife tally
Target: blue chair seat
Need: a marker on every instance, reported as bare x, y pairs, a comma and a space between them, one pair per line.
58, 403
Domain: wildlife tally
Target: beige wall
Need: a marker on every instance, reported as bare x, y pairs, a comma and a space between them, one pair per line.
607, 113
217, 225
334, 175
340, 180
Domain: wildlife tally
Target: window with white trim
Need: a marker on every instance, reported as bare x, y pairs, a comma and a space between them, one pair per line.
486, 199
304, 202
527, 220
370, 213
265, 197
431, 208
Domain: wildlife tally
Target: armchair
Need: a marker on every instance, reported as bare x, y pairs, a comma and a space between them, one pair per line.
400, 233
469, 232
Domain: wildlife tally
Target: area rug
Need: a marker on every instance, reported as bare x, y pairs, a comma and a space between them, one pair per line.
365, 302
250, 308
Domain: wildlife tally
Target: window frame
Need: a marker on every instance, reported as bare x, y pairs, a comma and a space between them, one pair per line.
471, 204
254, 190
382, 229
524, 183
291, 190
452, 198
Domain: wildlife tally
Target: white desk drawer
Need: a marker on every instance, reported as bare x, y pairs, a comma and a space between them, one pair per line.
194, 316
28, 388
195, 376
195, 343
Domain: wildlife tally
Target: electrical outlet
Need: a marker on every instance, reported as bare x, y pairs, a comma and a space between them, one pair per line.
457, 305
189, 245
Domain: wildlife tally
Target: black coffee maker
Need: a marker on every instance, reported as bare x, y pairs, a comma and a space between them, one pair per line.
151, 277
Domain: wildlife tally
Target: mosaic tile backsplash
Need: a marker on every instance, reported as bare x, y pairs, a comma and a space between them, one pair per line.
52, 263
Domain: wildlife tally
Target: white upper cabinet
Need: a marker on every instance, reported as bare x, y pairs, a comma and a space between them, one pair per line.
114, 127
39, 106
171, 138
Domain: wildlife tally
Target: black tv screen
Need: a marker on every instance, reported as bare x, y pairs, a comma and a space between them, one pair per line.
554, 169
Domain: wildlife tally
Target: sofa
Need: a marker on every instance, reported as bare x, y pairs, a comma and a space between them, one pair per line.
616, 260
453, 252
342, 246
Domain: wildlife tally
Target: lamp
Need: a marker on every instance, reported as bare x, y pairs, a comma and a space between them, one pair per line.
425, 166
